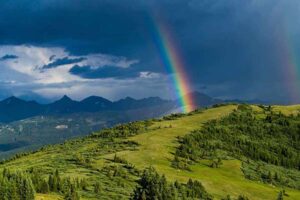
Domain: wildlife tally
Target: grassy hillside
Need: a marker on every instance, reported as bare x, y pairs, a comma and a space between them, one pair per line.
114, 162
32, 133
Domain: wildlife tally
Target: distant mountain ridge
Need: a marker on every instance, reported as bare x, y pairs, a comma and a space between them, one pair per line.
28, 125
13, 108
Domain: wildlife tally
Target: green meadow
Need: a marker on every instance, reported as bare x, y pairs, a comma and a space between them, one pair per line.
154, 146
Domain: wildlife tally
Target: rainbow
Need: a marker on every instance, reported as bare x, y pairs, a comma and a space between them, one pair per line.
172, 61
290, 61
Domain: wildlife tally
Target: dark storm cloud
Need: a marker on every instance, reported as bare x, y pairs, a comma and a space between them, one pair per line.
233, 47
103, 23
51, 58
8, 57
62, 61
104, 72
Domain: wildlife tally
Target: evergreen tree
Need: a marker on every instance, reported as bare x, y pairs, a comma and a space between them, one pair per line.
83, 184
4, 190
97, 188
72, 194
270, 177
242, 197
57, 181
13, 193
27, 190
152, 186
51, 183
280, 196
44, 187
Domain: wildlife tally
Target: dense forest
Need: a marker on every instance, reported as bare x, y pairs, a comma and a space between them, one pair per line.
153, 186
150, 186
268, 143
23, 185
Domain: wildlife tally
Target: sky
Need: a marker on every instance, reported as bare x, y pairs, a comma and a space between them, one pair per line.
231, 49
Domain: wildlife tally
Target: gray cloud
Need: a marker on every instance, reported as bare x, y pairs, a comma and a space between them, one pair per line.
104, 72
8, 57
62, 61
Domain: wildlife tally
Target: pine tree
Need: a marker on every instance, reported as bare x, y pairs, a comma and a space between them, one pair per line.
44, 187
270, 177
57, 181
242, 197
13, 193
280, 196
277, 177
4, 189
51, 183
97, 188
27, 190
83, 184
66, 184
5, 172
152, 186
72, 194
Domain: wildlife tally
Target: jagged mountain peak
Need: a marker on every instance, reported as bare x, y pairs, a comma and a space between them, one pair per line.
16, 100
12, 99
66, 98
14, 108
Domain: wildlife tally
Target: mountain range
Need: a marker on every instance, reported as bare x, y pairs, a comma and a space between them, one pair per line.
13, 108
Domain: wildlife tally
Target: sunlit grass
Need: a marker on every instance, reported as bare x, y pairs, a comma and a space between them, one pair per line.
156, 148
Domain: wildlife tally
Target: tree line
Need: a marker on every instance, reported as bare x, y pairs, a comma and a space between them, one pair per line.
152, 186
268, 137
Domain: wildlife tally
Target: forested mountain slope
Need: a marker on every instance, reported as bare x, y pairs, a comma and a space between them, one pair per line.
204, 154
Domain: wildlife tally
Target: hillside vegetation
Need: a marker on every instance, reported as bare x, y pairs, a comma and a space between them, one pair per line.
177, 157
268, 144
33, 133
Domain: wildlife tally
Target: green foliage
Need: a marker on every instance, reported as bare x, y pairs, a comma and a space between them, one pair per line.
81, 160
45, 187
152, 186
119, 160
97, 188
123, 130
242, 197
280, 196
16, 186
244, 107
276, 175
96, 169
272, 139
216, 163
180, 163
71, 194
174, 116
55, 183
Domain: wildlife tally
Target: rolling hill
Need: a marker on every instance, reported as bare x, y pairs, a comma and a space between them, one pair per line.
108, 163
